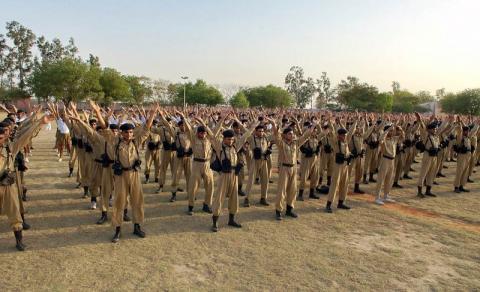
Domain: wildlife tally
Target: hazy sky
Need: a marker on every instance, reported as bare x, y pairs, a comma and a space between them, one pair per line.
424, 44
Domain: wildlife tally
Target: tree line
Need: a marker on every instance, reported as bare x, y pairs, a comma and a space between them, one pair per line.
51, 69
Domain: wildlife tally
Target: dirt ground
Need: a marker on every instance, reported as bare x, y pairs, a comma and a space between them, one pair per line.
412, 245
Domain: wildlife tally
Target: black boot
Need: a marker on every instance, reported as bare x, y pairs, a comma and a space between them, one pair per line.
320, 180
440, 174
126, 218
312, 195
24, 195
341, 205
85, 192
179, 190
246, 203
19, 239
290, 212
463, 189
365, 180
419, 192
300, 195
278, 215
264, 202
231, 221
371, 179
257, 181
116, 236
396, 185
25, 225
215, 223
241, 193
206, 209
174, 197
190, 210
328, 208
147, 178
103, 218
429, 193
357, 189
70, 172
329, 180
469, 180
78, 186
137, 230
406, 176
457, 190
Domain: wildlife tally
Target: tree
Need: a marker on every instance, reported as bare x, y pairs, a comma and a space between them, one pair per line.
269, 96
55, 50
325, 93
356, 95
424, 96
114, 86
23, 40
302, 89
139, 88
5, 62
160, 91
198, 93
239, 100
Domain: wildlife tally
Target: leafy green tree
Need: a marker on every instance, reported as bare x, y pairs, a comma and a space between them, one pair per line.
269, 96
55, 50
139, 88
325, 93
114, 86
239, 100
198, 93
356, 95
302, 89
21, 52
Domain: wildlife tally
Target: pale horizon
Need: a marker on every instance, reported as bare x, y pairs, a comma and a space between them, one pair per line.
424, 45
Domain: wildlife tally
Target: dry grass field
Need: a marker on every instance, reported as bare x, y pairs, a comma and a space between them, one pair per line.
412, 245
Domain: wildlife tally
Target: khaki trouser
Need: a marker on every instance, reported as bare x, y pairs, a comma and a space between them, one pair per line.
127, 185
371, 160
287, 187
440, 160
385, 175
339, 182
357, 167
106, 188
180, 165
95, 179
152, 157
227, 186
167, 159
86, 167
409, 156
428, 170
10, 206
308, 171
461, 175
73, 157
200, 171
473, 161
399, 162
19, 183
326, 164
80, 159
258, 167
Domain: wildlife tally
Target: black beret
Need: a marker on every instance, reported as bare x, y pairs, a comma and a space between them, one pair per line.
180, 123
4, 124
287, 130
284, 120
228, 134
235, 124
98, 127
113, 127
168, 119
341, 131
201, 129
260, 118
379, 122
465, 128
126, 127
386, 127
432, 125
307, 124
91, 121
155, 122
2, 131
259, 127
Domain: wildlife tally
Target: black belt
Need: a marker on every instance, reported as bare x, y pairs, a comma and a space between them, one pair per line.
200, 160
101, 161
287, 165
388, 157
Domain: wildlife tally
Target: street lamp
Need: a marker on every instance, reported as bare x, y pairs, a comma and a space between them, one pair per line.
184, 90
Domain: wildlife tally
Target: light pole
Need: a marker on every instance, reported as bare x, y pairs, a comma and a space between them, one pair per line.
184, 90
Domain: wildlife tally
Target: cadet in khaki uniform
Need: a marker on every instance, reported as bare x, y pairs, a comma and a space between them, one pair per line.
202, 151
463, 148
358, 155
152, 155
9, 201
308, 163
340, 169
242, 154
259, 147
183, 159
429, 143
391, 136
168, 150
371, 154
326, 156
474, 142
227, 181
125, 153
287, 161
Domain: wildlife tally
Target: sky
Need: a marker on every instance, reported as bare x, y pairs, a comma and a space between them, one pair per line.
423, 44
